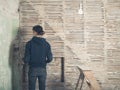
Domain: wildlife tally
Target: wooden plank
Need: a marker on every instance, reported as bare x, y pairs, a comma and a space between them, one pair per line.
91, 80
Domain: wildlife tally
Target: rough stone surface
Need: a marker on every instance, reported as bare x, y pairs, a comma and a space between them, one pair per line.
90, 40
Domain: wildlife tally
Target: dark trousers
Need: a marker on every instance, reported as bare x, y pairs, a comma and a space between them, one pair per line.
34, 74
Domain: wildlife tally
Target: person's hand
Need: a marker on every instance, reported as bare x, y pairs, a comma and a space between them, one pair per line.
22, 62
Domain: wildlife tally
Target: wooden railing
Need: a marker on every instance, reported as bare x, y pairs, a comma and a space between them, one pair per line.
86, 75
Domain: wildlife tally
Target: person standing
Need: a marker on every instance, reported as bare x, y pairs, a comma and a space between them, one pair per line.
37, 55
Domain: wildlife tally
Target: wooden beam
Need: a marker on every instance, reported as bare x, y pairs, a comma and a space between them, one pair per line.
91, 80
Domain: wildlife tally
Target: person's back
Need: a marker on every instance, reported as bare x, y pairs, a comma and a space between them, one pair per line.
37, 55
39, 49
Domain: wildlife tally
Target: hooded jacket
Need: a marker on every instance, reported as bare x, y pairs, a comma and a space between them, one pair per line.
37, 52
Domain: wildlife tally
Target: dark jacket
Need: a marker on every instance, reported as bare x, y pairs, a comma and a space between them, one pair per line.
37, 52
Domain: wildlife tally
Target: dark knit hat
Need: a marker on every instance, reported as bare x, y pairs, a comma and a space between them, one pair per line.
38, 29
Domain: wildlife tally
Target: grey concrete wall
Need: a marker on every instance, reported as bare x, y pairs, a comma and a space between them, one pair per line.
8, 30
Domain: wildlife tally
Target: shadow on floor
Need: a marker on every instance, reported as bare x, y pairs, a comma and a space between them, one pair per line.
54, 83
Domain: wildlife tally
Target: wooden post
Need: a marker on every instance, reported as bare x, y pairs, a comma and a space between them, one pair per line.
62, 69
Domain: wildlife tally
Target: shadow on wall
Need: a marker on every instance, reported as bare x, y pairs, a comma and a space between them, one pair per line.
14, 63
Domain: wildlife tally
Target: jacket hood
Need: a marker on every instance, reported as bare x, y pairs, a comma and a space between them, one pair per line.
38, 40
